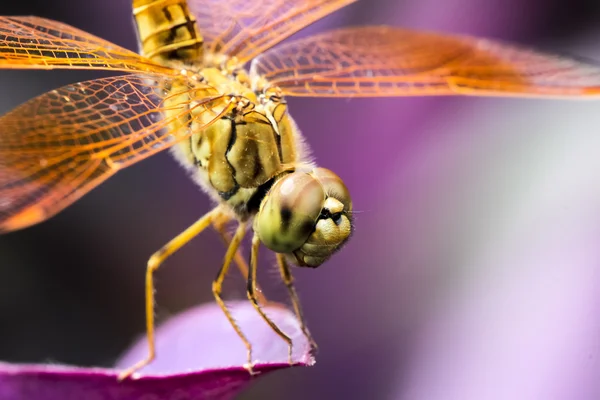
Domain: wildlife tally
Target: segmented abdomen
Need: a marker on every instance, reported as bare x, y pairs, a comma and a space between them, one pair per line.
167, 30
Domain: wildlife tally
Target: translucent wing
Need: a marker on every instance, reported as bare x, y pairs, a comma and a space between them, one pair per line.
60, 145
383, 61
245, 28
38, 43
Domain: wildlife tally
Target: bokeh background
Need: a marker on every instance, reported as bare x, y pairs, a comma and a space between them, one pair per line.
474, 272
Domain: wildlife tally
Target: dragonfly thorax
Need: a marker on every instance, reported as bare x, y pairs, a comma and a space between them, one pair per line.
235, 82
236, 157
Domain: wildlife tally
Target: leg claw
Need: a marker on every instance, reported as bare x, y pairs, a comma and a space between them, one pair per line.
131, 372
314, 348
250, 368
290, 351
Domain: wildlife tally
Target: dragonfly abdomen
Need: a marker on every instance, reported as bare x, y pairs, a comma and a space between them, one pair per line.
167, 30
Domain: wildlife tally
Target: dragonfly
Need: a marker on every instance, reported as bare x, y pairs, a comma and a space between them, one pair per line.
210, 83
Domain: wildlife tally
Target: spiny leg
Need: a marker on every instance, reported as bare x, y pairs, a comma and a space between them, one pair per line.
153, 263
251, 291
288, 279
219, 225
217, 288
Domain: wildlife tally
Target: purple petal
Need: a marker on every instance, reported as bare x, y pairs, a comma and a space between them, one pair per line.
202, 338
199, 356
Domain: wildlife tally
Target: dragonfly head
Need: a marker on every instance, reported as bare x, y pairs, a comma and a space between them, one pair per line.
306, 215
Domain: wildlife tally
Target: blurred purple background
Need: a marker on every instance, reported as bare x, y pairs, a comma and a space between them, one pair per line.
474, 272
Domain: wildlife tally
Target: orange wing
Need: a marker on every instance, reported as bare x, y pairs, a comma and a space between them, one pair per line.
60, 145
383, 61
245, 28
38, 43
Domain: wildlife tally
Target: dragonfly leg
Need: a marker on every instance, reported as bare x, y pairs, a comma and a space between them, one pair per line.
153, 264
288, 279
251, 291
217, 288
219, 225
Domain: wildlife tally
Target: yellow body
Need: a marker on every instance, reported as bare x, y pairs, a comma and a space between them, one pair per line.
167, 30
250, 144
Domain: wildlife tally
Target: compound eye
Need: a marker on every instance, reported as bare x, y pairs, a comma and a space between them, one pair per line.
334, 226
288, 214
334, 187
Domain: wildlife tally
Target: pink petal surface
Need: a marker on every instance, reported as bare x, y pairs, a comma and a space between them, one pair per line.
199, 356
